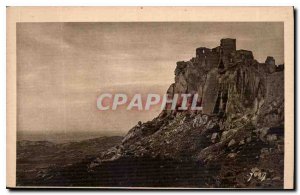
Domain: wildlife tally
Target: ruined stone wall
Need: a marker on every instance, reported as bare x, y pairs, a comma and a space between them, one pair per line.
206, 58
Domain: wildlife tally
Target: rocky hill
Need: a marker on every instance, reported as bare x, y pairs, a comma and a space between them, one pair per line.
236, 140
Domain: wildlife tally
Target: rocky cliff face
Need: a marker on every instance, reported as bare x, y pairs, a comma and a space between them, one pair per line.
232, 86
242, 116
235, 141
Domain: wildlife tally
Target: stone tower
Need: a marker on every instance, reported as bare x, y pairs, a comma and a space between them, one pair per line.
228, 46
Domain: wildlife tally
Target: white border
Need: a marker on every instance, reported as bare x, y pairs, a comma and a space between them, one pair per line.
5, 3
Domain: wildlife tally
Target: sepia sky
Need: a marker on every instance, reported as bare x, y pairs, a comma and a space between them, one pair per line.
63, 67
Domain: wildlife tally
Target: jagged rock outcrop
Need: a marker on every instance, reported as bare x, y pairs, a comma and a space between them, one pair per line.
241, 121
242, 100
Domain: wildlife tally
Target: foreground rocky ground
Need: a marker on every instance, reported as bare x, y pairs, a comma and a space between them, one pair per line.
236, 141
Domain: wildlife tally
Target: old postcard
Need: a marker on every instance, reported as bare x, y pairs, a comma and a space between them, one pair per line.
150, 97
